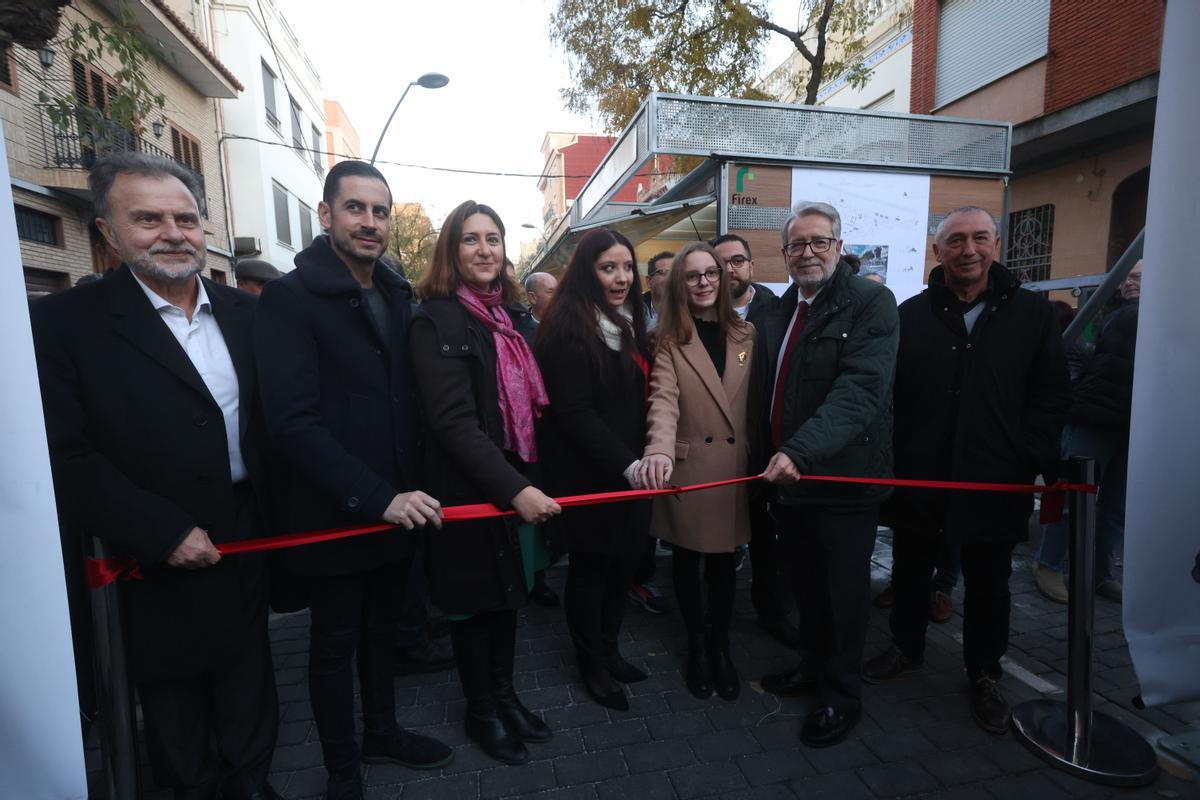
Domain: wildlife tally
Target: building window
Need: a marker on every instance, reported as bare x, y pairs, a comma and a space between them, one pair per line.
38, 226
283, 218
885, 103
306, 225
269, 95
1030, 237
297, 123
45, 281
316, 149
218, 276
978, 43
186, 150
8, 67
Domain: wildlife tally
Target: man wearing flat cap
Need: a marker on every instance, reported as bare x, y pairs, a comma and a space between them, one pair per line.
253, 274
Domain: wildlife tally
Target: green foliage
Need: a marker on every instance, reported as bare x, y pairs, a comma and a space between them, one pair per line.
135, 98
618, 51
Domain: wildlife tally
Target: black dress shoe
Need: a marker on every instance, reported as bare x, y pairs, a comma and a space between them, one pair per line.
826, 725
519, 720
790, 683
988, 706
485, 728
782, 631
544, 596
889, 664
623, 671
407, 749
603, 689
426, 655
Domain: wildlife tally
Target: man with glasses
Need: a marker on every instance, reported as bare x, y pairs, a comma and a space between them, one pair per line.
657, 270
831, 339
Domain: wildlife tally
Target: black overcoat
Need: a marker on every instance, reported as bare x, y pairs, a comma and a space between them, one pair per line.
473, 566
594, 428
987, 406
341, 407
139, 456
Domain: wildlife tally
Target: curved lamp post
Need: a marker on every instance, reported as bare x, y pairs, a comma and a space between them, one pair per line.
430, 80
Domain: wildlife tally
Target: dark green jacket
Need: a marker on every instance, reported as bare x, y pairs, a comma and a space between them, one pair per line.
837, 403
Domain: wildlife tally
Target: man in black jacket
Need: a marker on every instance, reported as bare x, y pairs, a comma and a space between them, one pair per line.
331, 338
981, 390
157, 446
832, 340
768, 590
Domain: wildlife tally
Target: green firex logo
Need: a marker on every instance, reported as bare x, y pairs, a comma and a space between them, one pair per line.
743, 174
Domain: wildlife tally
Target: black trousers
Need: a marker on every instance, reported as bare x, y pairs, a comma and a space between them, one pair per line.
986, 567
595, 598
646, 561
770, 592
217, 729
354, 618
719, 575
828, 551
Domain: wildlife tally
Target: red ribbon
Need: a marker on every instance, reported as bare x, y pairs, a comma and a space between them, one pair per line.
103, 571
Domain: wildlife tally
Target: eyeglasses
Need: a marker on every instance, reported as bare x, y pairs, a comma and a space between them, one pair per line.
737, 262
712, 275
819, 244
656, 272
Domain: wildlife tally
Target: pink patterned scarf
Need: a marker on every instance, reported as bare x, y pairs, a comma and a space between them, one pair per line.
518, 380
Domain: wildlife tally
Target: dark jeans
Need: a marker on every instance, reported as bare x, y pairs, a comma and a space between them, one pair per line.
595, 598
646, 563
986, 567
719, 576
354, 617
770, 590
414, 611
828, 551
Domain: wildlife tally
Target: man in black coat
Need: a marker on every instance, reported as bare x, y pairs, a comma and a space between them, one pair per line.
832, 339
981, 391
331, 339
768, 590
157, 446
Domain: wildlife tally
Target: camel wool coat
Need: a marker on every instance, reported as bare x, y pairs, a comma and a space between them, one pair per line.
700, 421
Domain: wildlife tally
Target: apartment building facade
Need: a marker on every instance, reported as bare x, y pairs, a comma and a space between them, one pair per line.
48, 161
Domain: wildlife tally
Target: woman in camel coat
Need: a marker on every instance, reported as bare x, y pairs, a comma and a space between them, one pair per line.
703, 388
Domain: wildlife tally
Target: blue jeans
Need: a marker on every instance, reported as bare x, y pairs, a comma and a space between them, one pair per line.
1110, 450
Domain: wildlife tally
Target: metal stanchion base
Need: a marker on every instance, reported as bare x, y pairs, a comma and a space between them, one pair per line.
1118, 756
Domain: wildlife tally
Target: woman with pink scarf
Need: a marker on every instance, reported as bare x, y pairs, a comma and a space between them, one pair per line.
481, 393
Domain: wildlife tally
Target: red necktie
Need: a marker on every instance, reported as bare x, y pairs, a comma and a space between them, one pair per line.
781, 378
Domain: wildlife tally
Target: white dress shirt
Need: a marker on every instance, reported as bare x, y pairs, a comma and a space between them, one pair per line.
204, 344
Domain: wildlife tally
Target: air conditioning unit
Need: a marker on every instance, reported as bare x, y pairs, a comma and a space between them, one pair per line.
244, 246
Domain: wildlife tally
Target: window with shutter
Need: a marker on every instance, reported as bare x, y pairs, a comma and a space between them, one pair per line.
186, 149
8, 67
978, 43
297, 123
269, 95
283, 217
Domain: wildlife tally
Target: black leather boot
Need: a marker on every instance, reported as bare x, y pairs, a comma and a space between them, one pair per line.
520, 721
472, 646
699, 678
725, 677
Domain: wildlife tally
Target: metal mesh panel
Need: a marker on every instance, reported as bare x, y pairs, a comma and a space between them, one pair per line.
757, 218
807, 133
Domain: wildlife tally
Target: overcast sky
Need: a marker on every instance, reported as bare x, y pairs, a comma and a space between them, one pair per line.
502, 98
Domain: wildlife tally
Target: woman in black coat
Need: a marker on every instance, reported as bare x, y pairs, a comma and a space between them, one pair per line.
481, 392
592, 350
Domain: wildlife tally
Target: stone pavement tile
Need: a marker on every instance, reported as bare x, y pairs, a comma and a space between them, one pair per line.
966, 766
511, 780
1185, 712
442, 788
589, 767
962, 793
433, 714
706, 779
564, 743
680, 725
648, 705
607, 735
774, 767
575, 716
1024, 787
897, 780
550, 644
745, 713
293, 757
776, 791
838, 786
900, 717
556, 676
658, 756
306, 783
656, 684
448, 733
285, 677
438, 693
551, 697
848, 755
391, 792
568, 793
723, 745
647, 786
299, 711
1011, 756
289, 733
469, 758
532, 663
684, 700
956, 735
427, 678
898, 746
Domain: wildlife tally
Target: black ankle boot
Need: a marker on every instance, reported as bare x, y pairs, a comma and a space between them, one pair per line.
520, 721
486, 729
472, 653
699, 679
725, 677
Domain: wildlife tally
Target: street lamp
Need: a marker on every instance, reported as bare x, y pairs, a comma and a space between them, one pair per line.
430, 80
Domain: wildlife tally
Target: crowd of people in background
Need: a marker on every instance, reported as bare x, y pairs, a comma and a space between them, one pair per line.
182, 415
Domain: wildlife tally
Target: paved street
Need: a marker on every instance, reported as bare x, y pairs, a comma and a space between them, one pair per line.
916, 739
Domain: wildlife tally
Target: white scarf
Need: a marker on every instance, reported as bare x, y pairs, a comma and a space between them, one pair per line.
610, 332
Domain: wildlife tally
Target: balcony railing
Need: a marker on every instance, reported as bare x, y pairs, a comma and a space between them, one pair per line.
83, 141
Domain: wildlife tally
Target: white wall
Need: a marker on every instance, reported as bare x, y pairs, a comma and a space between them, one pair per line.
892, 73
243, 44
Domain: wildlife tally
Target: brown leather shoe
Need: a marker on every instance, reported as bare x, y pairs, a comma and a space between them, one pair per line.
1050, 583
888, 664
988, 706
886, 598
941, 607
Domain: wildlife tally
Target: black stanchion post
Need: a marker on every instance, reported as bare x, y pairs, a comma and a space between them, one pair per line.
1072, 736
118, 728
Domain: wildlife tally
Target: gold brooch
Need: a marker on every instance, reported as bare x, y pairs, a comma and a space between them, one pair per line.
742, 359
